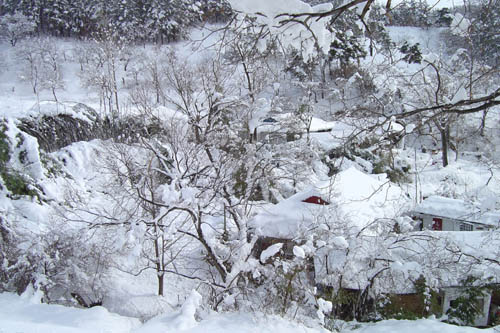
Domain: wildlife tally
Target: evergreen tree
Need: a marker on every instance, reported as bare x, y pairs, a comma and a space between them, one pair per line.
444, 17
484, 35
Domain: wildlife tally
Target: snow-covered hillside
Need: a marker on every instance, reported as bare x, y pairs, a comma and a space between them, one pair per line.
259, 174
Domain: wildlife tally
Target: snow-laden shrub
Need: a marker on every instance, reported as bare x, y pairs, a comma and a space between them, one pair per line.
61, 263
18, 173
283, 282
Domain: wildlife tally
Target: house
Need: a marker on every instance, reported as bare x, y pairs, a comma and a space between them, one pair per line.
351, 195
281, 128
440, 213
288, 222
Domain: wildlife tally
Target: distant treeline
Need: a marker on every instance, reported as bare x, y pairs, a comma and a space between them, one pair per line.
159, 21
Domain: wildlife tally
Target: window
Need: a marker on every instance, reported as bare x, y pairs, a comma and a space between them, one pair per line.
437, 224
466, 227
454, 303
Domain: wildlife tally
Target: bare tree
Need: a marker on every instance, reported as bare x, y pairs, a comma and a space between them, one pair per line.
30, 53
102, 70
15, 27
136, 180
43, 60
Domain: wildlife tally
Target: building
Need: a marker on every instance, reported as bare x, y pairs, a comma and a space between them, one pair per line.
285, 127
445, 214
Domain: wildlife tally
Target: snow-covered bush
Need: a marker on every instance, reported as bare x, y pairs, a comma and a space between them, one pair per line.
283, 284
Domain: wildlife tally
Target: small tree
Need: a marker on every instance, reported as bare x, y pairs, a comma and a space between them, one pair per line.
51, 73
30, 54
106, 52
155, 227
43, 62
16, 27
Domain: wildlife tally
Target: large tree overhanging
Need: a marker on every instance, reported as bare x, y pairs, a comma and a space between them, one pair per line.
465, 106
335, 12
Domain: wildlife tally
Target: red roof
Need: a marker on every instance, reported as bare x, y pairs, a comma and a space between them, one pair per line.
316, 200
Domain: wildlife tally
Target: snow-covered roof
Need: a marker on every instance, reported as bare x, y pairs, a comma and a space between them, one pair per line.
458, 210
290, 217
354, 196
281, 123
319, 125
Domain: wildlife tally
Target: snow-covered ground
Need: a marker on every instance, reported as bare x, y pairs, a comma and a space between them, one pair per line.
25, 314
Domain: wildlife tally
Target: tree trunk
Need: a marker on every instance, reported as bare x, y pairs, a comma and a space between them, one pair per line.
445, 137
483, 122
160, 284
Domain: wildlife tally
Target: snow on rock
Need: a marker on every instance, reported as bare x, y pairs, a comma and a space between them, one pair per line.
79, 159
52, 108
299, 252
270, 251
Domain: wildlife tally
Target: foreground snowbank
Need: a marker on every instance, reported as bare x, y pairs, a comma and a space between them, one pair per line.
421, 325
230, 323
25, 314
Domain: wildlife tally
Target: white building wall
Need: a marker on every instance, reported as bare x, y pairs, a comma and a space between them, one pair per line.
449, 224
453, 293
